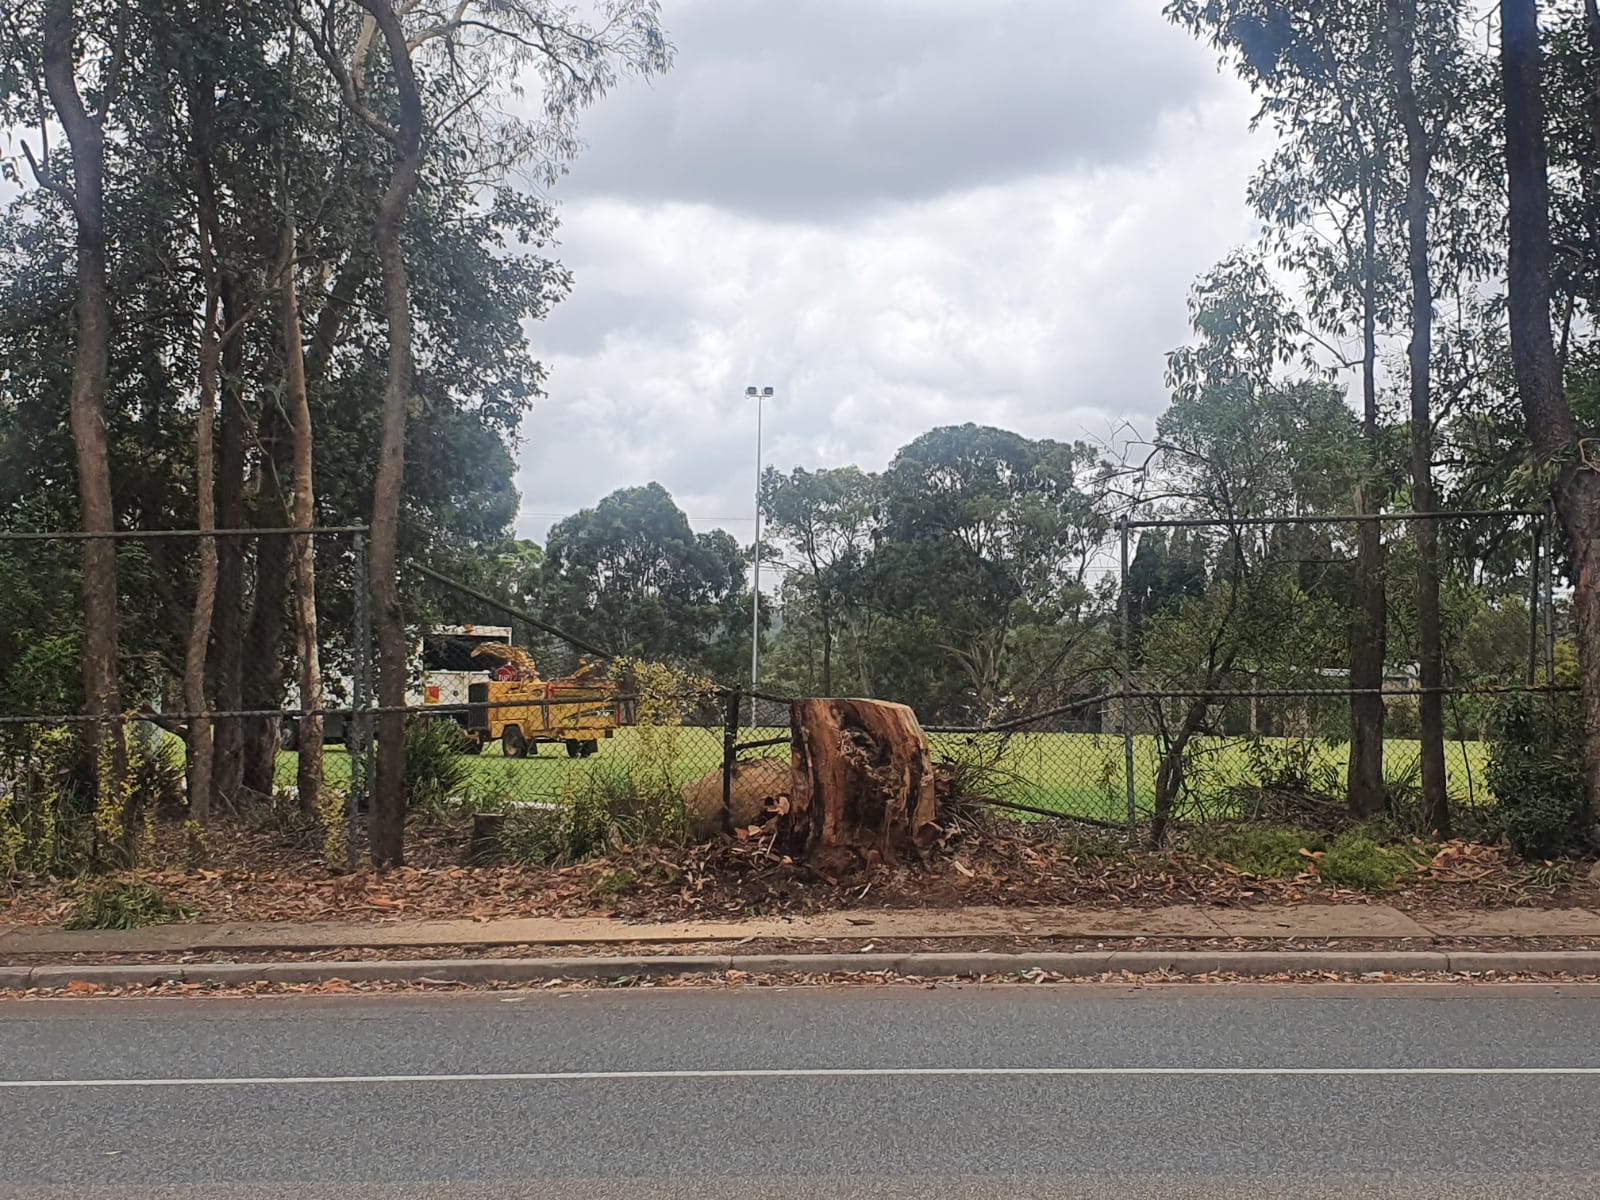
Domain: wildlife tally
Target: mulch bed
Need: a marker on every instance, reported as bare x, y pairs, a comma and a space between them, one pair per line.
800, 946
277, 876
750, 981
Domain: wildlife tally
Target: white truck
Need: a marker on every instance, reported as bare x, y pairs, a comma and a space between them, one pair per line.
442, 670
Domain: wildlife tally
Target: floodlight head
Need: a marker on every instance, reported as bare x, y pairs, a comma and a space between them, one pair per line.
750, 391
766, 391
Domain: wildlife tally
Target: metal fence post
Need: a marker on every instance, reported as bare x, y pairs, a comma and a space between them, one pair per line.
1127, 682
358, 737
1550, 597
730, 755
1533, 606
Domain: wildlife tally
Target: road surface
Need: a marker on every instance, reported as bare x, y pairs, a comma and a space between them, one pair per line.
1161, 1093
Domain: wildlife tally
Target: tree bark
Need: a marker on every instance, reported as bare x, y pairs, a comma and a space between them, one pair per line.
1400, 18
1552, 428
228, 654
308, 772
264, 649
1366, 795
863, 784
388, 809
1169, 774
86, 405
199, 730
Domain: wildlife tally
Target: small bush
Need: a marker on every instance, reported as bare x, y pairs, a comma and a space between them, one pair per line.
1270, 851
1357, 860
56, 815
1299, 765
616, 883
599, 812
1371, 857
122, 904
534, 835
437, 770
1536, 773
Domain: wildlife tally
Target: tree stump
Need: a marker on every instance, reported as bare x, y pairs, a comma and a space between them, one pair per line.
484, 845
863, 784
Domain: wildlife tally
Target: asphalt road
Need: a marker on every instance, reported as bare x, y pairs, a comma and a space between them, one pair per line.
1166, 1093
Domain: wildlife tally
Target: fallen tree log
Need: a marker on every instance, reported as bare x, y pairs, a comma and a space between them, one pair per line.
862, 784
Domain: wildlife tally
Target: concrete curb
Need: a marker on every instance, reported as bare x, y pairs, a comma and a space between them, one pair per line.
1069, 965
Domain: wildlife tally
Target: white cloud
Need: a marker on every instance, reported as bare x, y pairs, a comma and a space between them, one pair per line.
1036, 290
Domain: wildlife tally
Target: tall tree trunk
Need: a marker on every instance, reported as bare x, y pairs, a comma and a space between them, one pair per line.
264, 649
86, 406
827, 651
199, 757
1401, 29
1169, 774
1551, 426
1369, 619
200, 731
228, 653
388, 809
308, 773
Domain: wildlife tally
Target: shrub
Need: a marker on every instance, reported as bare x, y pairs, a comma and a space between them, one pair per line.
1297, 765
534, 835
1536, 772
1371, 857
50, 818
1357, 860
121, 904
437, 769
1270, 851
596, 813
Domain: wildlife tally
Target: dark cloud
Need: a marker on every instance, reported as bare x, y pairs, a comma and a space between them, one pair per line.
809, 110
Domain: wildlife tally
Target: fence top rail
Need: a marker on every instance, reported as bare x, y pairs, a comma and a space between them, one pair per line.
1332, 519
139, 535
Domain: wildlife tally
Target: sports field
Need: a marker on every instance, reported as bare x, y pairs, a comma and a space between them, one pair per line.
1076, 774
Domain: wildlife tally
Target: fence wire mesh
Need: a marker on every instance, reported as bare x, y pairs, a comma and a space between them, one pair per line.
1201, 691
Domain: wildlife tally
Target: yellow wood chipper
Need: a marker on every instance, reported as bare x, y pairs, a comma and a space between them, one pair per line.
520, 710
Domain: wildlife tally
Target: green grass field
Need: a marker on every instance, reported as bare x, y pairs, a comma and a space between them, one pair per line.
1076, 774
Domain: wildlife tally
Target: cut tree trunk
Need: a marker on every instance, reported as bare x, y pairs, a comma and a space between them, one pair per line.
863, 784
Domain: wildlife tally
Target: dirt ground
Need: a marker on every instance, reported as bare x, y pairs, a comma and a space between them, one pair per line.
277, 875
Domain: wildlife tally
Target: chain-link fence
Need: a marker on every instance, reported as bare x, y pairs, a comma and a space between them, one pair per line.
1224, 689
1230, 688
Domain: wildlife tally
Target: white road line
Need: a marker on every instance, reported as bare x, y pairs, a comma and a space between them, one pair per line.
792, 1073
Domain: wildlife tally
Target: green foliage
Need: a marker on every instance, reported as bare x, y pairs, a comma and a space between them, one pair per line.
1270, 851
1357, 860
122, 904
437, 768
1368, 858
50, 819
616, 883
983, 532
1293, 765
631, 575
1536, 772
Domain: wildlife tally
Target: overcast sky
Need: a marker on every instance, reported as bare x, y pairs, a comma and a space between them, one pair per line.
898, 214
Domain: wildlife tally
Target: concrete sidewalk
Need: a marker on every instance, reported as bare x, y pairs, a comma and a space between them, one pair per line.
1301, 921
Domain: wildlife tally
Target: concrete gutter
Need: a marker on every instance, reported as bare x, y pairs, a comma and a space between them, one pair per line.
1069, 965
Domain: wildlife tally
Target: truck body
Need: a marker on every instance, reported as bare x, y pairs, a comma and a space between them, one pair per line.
520, 710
